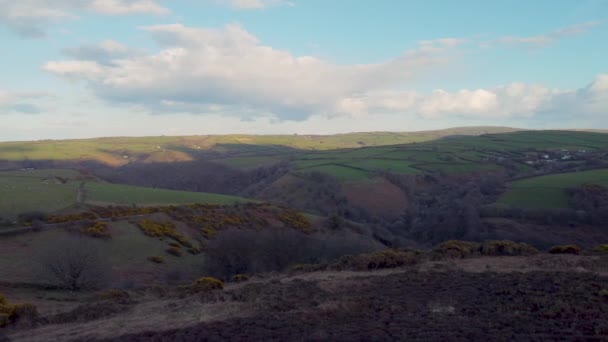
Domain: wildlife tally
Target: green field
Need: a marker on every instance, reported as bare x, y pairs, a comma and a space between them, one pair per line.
549, 192
39, 190
126, 195
114, 150
342, 173
388, 165
23, 194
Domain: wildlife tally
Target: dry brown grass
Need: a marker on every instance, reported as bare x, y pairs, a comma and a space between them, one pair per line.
149, 312
155, 315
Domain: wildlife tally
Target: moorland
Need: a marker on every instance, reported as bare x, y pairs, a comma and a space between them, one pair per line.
376, 236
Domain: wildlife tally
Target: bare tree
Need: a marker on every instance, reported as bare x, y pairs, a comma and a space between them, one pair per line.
73, 263
238, 251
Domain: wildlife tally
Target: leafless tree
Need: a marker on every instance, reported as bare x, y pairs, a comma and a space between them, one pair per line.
73, 263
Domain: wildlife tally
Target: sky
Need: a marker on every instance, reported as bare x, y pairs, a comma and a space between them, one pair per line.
91, 68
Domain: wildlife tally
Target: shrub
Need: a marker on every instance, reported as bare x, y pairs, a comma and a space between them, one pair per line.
162, 230
455, 249
31, 217
156, 259
505, 247
174, 251
239, 278
601, 249
565, 249
390, 258
194, 251
205, 284
296, 220
248, 252
17, 313
97, 230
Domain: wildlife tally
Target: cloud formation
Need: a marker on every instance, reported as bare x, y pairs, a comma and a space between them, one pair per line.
29, 18
228, 70
544, 40
102, 53
25, 103
254, 4
198, 68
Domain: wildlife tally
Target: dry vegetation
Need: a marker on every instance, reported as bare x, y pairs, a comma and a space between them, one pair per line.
543, 297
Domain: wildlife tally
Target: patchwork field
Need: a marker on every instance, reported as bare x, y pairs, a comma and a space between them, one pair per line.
454, 155
122, 150
549, 192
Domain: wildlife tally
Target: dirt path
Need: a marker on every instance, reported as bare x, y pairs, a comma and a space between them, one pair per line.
81, 196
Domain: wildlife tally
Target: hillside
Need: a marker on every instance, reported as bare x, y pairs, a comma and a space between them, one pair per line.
470, 181
288, 227
121, 150
550, 191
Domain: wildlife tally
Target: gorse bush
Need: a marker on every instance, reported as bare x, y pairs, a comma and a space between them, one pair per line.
389, 258
162, 230
206, 284
97, 230
565, 249
174, 251
601, 249
156, 259
84, 216
239, 278
507, 248
17, 313
455, 249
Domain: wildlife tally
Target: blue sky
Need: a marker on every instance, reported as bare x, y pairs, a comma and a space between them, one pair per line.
87, 68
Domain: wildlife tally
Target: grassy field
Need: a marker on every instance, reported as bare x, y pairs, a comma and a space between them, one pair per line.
340, 172
549, 192
458, 150
454, 155
23, 194
40, 190
126, 195
120, 150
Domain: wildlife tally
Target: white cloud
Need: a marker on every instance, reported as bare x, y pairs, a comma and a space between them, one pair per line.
543, 40
123, 7
29, 18
229, 71
20, 102
230, 67
104, 52
254, 4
